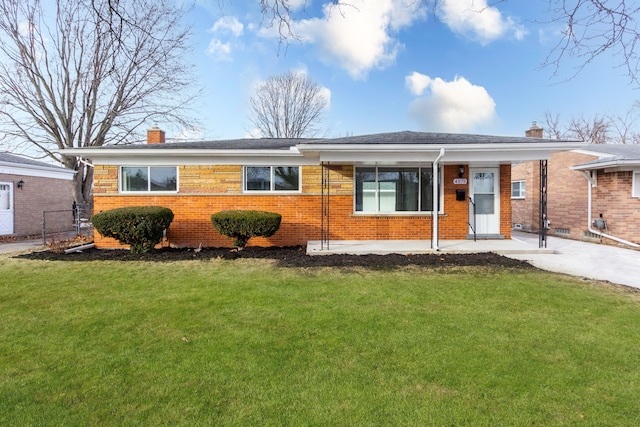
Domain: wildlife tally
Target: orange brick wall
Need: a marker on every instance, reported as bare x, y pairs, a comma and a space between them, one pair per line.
505, 201
205, 190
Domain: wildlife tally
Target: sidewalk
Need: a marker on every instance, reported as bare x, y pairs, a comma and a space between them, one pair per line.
20, 246
583, 259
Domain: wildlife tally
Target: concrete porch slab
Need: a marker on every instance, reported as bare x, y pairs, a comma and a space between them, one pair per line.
382, 247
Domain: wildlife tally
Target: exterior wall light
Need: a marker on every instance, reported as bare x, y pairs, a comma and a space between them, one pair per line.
460, 171
20, 184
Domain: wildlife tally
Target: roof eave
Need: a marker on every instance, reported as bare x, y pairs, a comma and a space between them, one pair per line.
12, 168
618, 163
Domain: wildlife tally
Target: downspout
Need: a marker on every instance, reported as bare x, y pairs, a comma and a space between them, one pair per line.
436, 200
591, 183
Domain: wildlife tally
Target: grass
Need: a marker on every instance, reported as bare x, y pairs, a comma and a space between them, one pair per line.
247, 343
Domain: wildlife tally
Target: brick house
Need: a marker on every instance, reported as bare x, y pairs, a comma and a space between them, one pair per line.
29, 187
597, 182
371, 187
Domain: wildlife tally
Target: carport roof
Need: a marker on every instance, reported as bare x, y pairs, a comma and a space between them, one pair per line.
618, 156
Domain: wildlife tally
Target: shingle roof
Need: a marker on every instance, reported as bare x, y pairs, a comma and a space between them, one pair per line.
409, 137
12, 158
626, 151
612, 155
228, 144
400, 138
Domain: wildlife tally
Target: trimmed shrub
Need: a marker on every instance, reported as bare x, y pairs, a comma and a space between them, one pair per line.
243, 225
140, 227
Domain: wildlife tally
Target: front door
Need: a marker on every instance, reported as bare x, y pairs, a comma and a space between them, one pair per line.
485, 193
6, 208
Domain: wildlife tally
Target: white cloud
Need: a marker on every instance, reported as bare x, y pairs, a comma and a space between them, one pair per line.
454, 106
417, 83
228, 24
219, 50
359, 36
477, 20
325, 93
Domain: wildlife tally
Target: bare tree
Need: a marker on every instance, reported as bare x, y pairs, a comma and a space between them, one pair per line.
80, 73
624, 126
552, 126
595, 27
597, 130
594, 131
288, 105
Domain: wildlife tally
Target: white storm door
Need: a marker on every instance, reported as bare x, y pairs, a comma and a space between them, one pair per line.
485, 193
6, 208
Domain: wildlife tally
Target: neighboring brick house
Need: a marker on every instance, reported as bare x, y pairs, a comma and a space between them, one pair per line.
29, 187
372, 187
610, 172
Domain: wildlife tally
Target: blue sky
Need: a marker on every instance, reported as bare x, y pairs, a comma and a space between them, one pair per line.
392, 65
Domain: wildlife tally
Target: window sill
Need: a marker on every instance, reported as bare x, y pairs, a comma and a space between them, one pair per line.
394, 214
147, 193
271, 193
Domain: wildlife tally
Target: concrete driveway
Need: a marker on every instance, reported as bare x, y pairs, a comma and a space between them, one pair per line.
583, 259
20, 246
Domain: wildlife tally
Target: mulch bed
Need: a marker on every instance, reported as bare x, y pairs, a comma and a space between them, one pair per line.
287, 257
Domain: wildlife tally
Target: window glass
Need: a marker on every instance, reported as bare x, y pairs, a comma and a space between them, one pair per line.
483, 182
366, 190
286, 178
258, 178
145, 178
517, 189
388, 189
484, 204
426, 190
163, 179
135, 179
398, 189
272, 178
635, 186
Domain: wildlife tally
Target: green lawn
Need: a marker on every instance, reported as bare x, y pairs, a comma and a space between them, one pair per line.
247, 343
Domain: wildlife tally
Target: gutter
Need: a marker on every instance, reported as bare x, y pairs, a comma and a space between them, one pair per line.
436, 200
591, 183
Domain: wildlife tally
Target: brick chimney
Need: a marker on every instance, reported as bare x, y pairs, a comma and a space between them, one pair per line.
534, 131
155, 136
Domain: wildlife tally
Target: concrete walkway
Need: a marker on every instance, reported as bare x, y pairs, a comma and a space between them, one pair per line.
584, 259
382, 247
21, 246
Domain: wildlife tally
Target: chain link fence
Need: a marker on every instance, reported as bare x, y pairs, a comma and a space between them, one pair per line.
62, 225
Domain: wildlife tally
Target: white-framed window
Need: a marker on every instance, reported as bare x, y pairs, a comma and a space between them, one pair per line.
148, 179
271, 178
635, 186
393, 189
517, 189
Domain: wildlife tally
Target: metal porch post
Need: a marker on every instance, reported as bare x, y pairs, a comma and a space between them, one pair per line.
542, 233
325, 217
